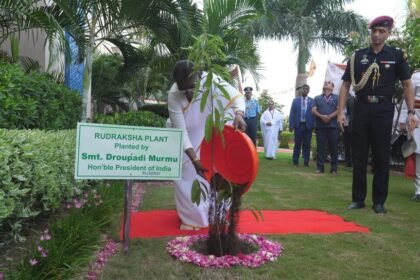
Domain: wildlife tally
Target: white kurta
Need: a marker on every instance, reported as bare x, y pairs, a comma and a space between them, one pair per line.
188, 117
270, 133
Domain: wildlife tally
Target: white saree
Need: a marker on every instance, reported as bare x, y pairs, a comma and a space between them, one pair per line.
188, 117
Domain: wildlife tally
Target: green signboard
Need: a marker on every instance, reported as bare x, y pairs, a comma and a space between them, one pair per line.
128, 152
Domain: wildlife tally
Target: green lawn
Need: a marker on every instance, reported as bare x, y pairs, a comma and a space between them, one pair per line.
390, 251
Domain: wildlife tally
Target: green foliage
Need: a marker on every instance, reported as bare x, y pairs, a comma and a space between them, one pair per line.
107, 83
412, 40
160, 109
135, 118
263, 100
409, 41
74, 238
34, 101
36, 175
355, 42
310, 23
231, 21
206, 53
285, 138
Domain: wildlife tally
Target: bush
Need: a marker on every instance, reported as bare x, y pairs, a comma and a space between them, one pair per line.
36, 175
134, 118
34, 101
72, 238
285, 137
160, 109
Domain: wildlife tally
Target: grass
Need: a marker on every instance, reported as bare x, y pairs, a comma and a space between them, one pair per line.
75, 235
390, 251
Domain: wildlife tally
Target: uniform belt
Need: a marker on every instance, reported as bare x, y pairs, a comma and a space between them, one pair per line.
373, 98
249, 118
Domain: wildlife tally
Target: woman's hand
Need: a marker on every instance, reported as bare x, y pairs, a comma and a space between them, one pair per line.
199, 168
238, 122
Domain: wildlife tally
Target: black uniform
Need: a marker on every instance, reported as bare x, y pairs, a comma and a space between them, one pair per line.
372, 119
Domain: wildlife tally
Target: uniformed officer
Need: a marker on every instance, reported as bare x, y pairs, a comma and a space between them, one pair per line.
251, 112
373, 72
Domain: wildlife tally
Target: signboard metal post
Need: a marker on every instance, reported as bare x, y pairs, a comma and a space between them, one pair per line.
127, 215
117, 152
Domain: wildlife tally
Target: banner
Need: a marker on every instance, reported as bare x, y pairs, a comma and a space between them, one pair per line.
334, 73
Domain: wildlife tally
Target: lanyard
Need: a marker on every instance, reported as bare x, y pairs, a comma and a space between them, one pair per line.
328, 99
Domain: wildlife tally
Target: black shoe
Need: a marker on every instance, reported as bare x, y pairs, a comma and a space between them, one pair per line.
349, 164
319, 171
416, 197
306, 164
379, 209
356, 205
295, 164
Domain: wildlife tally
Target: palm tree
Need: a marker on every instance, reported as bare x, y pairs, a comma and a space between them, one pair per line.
22, 16
167, 25
90, 22
82, 19
148, 55
311, 23
232, 22
414, 7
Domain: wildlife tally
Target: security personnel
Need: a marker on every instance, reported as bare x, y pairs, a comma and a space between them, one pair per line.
251, 112
373, 72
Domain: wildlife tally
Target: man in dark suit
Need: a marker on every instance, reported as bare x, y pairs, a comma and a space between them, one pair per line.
301, 121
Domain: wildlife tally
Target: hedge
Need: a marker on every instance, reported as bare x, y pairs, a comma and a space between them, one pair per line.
135, 118
36, 175
284, 138
34, 101
160, 109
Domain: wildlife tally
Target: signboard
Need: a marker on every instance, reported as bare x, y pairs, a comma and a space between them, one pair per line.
128, 152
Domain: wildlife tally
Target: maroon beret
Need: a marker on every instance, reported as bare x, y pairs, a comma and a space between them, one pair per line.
383, 21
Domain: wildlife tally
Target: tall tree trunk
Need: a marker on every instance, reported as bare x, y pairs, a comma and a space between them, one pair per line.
87, 87
303, 57
87, 75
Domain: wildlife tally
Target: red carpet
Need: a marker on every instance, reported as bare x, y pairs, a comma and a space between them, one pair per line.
160, 223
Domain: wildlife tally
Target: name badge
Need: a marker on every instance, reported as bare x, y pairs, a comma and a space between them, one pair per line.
364, 61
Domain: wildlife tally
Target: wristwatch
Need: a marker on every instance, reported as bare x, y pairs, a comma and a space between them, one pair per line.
411, 112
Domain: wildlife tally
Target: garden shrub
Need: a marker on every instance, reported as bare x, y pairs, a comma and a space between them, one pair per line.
134, 118
35, 101
160, 109
285, 137
36, 175
65, 248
